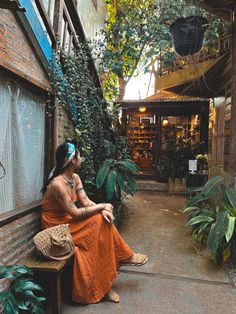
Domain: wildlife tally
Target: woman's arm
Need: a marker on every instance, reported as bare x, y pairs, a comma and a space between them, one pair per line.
63, 198
81, 194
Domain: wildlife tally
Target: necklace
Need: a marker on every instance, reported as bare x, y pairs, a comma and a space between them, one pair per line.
71, 183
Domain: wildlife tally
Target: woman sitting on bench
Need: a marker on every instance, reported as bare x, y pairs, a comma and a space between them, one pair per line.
100, 249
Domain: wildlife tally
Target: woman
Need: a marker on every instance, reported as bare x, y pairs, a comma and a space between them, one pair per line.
100, 249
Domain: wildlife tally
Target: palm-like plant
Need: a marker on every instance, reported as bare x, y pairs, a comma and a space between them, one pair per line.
22, 293
116, 176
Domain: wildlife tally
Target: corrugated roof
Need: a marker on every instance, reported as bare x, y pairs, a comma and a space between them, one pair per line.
169, 96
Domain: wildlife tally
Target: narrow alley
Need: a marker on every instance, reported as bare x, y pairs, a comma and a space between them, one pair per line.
177, 278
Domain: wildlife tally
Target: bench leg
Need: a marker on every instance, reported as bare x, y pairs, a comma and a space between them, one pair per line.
55, 301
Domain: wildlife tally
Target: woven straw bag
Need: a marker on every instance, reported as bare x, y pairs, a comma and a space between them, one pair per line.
55, 243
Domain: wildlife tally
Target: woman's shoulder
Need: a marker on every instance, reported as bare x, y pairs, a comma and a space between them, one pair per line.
56, 183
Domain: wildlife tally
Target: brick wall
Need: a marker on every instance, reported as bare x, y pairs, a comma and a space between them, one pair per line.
16, 238
16, 53
64, 126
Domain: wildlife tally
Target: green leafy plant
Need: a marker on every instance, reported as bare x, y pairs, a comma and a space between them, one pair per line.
116, 176
22, 294
136, 37
212, 217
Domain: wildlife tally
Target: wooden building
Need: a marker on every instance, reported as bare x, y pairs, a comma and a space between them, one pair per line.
29, 32
163, 122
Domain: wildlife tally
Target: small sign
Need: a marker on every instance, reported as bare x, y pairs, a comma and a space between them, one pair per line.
192, 165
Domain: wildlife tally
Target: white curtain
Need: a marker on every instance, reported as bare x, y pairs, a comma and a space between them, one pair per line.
22, 133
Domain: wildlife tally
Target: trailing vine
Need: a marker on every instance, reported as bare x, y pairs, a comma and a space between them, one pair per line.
74, 88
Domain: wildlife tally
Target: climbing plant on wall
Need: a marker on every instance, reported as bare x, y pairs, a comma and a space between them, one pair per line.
74, 87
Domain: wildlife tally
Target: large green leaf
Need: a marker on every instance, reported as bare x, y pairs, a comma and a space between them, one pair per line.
131, 162
231, 195
24, 305
191, 208
22, 270
21, 284
203, 226
131, 183
11, 306
232, 211
201, 197
210, 184
121, 180
5, 272
198, 219
102, 173
223, 191
124, 164
110, 184
230, 228
217, 232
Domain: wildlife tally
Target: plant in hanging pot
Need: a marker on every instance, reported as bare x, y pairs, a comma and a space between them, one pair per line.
187, 34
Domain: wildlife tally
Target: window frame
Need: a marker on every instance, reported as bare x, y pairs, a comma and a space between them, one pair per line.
68, 25
22, 211
46, 19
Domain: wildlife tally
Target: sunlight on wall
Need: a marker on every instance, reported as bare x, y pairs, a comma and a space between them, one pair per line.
92, 18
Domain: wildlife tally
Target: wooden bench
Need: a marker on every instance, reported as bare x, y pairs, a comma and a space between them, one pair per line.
49, 274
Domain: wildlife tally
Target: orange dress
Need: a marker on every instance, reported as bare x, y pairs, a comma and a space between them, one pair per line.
100, 249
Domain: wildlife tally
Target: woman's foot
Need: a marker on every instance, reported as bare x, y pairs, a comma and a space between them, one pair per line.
136, 259
112, 296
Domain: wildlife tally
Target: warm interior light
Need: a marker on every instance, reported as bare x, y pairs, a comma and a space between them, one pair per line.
165, 122
142, 109
142, 126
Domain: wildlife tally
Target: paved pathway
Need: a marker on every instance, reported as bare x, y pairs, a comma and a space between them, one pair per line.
177, 278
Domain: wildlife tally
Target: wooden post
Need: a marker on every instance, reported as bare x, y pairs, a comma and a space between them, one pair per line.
204, 124
232, 159
124, 122
57, 22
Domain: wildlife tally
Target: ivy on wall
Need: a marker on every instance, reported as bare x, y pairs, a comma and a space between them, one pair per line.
75, 88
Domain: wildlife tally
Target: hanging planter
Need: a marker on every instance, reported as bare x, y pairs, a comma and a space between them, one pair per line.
187, 34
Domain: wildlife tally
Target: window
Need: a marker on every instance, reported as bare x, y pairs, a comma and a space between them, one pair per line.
22, 133
68, 38
49, 6
41, 22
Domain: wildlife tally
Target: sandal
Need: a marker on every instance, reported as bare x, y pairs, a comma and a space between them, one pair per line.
112, 296
136, 259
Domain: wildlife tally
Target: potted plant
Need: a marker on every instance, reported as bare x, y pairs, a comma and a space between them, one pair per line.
212, 217
19, 293
114, 178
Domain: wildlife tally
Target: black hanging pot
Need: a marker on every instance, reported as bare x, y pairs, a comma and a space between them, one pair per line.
187, 34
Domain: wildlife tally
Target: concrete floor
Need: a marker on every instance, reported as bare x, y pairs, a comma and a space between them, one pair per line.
177, 278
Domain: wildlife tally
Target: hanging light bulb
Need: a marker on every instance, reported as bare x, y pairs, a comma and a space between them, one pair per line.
165, 122
142, 109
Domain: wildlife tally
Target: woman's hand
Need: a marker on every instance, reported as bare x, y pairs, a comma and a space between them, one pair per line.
107, 215
108, 207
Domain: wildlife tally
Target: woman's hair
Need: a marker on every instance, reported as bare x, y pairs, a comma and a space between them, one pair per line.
60, 159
